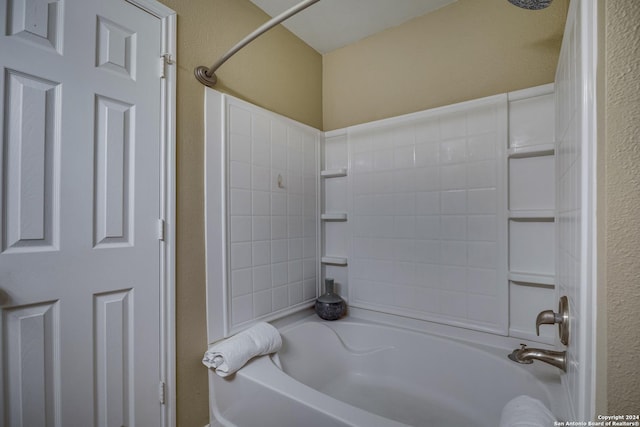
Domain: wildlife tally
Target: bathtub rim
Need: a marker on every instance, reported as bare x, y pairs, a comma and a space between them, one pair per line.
485, 340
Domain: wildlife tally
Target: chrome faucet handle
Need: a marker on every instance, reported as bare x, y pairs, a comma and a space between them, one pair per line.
548, 317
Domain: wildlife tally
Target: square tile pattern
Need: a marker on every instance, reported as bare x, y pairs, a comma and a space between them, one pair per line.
272, 192
427, 216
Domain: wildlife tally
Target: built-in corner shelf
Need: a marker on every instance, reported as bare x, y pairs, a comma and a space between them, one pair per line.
531, 151
333, 173
536, 279
543, 215
335, 216
333, 260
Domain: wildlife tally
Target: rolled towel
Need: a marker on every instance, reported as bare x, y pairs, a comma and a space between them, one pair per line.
525, 411
231, 354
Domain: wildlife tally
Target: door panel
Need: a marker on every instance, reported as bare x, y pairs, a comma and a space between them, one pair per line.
80, 202
36, 21
32, 380
112, 175
113, 351
32, 113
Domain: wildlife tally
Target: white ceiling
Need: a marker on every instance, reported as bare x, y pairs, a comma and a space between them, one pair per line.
331, 24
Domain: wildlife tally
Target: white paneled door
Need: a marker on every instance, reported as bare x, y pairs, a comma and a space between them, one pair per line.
80, 194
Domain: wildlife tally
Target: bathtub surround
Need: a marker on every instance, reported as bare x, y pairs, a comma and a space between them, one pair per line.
428, 201
435, 227
532, 206
576, 126
261, 179
427, 207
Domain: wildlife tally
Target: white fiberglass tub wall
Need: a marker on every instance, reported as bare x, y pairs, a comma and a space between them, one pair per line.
359, 372
261, 214
449, 214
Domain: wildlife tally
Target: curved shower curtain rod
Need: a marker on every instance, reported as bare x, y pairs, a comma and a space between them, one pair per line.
207, 76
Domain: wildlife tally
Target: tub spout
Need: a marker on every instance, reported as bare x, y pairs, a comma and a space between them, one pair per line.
528, 355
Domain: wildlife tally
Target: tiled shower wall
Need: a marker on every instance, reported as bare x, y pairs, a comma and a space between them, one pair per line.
448, 214
271, 214
445, 215
428, 215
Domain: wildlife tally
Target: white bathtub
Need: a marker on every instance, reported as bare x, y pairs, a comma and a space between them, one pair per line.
356, 372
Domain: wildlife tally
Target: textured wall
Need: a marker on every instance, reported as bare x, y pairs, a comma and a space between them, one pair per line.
467, 50
622, 188
278, 72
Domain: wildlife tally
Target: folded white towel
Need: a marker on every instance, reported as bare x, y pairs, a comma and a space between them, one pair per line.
231, 354
525, 411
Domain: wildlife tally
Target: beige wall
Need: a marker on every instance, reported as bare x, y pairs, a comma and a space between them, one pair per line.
622, 205
467, 50
278, 72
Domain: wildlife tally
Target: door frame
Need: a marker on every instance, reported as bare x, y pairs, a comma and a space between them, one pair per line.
166, 226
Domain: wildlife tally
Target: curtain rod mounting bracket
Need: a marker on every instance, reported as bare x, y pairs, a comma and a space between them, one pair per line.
207, 76
202, 76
